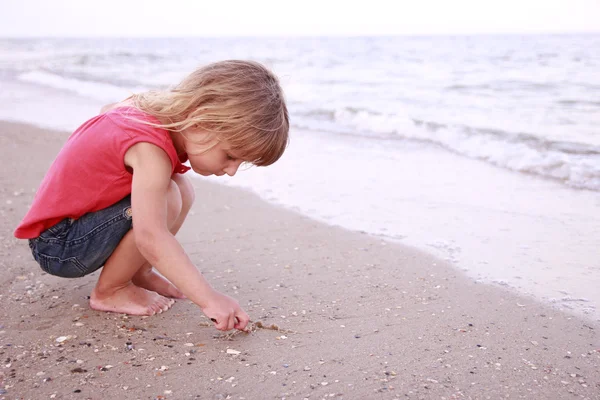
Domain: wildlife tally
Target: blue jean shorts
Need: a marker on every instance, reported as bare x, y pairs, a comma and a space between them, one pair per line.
74, 248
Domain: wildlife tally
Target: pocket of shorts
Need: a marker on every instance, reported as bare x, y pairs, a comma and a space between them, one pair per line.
68, 268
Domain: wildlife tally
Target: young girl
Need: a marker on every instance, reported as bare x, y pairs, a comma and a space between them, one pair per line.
115, 196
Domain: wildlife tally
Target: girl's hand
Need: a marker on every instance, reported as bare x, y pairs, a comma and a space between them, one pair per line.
225, 312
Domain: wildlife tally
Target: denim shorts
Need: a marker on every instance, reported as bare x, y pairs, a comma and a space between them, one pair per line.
74, 248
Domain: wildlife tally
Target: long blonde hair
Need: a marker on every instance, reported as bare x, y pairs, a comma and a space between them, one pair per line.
238, 101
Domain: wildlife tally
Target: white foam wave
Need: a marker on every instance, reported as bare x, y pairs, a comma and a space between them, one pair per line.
94, 90
576, 170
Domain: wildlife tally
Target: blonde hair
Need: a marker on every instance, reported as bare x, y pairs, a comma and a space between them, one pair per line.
240, 102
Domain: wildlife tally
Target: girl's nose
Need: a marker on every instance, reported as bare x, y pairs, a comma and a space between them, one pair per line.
233, 167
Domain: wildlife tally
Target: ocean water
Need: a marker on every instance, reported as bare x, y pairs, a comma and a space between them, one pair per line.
484, 150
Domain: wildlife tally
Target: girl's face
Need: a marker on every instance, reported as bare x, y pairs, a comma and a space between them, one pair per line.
213, 158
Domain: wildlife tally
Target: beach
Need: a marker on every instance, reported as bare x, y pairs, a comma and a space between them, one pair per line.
480, 150
344, 315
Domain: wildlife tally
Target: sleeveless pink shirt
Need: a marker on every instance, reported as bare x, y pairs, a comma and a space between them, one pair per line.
89, 173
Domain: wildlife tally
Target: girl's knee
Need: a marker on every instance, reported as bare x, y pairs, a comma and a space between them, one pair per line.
174, 203
186, 191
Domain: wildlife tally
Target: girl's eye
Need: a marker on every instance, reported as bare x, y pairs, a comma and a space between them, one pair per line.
229, 157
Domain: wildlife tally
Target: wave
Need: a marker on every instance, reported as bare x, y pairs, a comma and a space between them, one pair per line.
110, 59
72, 56
504, 86
96, 90
568, 102
574, 164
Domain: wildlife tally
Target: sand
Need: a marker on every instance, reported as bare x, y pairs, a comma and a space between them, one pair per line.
359, 318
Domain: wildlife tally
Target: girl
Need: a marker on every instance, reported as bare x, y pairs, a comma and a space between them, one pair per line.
123, 169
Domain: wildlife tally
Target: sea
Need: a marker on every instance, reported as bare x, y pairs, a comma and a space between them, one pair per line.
482, 150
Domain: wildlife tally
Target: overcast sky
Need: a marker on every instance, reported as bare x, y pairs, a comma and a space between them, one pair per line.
296, 17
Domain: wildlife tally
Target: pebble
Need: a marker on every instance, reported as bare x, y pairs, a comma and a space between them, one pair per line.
234, 352
61, 339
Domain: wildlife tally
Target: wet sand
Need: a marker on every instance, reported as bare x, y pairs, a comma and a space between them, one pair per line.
358, 317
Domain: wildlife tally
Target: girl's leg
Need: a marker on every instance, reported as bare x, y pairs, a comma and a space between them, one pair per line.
146, 277
115, 290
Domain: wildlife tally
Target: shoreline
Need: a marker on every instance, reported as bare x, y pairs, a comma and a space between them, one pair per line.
526, 233
372, 318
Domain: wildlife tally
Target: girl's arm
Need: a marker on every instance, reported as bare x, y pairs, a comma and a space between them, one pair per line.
151, 179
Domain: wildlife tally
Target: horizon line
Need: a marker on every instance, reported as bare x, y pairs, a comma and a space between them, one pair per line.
295, 35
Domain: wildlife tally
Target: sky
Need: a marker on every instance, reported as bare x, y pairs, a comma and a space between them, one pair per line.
134, 18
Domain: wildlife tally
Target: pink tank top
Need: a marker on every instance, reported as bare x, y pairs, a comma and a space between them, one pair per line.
89, 173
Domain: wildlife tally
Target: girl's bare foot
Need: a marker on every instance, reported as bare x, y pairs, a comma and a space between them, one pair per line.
148, 279
130, 299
